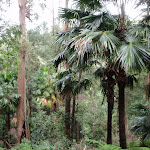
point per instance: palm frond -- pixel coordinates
(142, 2)
(133, 55)
(64, 79)
(59, 58)
(103, 22)
(89, 5)
(131, 79)
(99, 73)
(68, 14)
(101, 42)
(65, 37)
(77, 86)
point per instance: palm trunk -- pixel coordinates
(148, 87)
(68, 96)
(21, 110)
(121, 105)
(110, 99)
(73, 113)
(67, 114)
(109, 123)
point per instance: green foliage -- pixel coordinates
(27, 145)
(43, 125)
(142, 124)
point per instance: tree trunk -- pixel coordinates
(121, 105)
(68, 96)
(66, 22)
(8, 123)
(21, 110)
(53, 19)
(67, 114)
(73, 113)
(109, 123)
(148, 87)
(59, 17)
(110, 99)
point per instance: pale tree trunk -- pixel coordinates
(59, 17)
(53, 19)
(66, 22)
(21, 111)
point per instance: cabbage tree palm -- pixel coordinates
(127, 52)
(102, 21)
(112, 44)
(142, 30)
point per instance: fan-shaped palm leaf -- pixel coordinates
(133, 56)
(68, 14)
(89, 5)
(100, 41)
(102, 22)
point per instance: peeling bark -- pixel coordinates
(21, 110)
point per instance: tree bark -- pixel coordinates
(110, 100)
(8, 123)
(67, 114)
(148, 87)
(21, 110)
(73, 114)
(66, 22)
(53, 19)
(121, 105)
(68, 96)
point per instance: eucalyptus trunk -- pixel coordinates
(66, 22)
(21, 110)
(53, 19)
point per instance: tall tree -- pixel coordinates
(66, 22)
(68, 94)
(147, 23)
(21, 110)
(53, 12)
(122, 79)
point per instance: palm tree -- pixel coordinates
(104, 22)
(130, 55)
(111, 44)
(143, 29)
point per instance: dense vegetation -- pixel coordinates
(83, 86)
